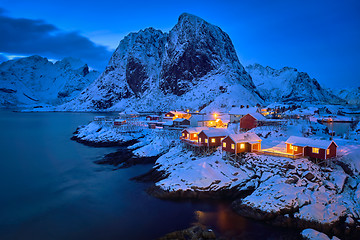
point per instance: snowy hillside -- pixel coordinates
(288, 84)
(351, 95)
(191, 67)
(36, 81)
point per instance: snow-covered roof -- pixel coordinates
(119, 120)
(215, 132)
(225, 118)
(258, 116)
(242, 111)
(200, 118)
(179, 120)
(245, 137)
(168, 123)
(153, 116)
(195, 129)
(178, 112)
(308, 142)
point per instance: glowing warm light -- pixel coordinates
(232, 146)
(206, 140)
(213, 140)
(328, 151)
(242, 146)
(215, 115)
(224, 144)
(315, 150)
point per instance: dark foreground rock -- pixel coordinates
(195, 232)
(103, 144)
(152, 176)
(124, 158)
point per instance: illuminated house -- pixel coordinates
(152, 118)
(244, 142)
(191, 133)
(307, 147)
(212, 137)
(172, 115)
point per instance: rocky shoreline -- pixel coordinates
(281, 193)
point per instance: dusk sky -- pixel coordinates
(321, 38)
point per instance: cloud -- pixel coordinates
(27, 37)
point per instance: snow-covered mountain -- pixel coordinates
(288, 85)
(193, 66)
(351, 95)
(35, 81)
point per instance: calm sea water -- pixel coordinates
(51, 189)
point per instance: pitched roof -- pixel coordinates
(153, 116)
(249, 137)
(195, 129)
(309, 142)
(257, 116)
(178, 112)
(242, 111)
(180, 120)
(199, 118)
(217, 132)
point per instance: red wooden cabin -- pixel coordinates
(251, 120)
(192, 133)
(152, 118)
(307, 147)
(212, 137)
(244, 142)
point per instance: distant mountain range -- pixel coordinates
(36, 81)
(289, 85)
(194, 66)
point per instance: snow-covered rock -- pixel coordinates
(37, 81)
(193, 66)
(351, 95)
(288, 85)
(311, 234)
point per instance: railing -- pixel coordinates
(279, 154)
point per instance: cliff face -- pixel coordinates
(193, 66)
(288, 84)
(36, 81)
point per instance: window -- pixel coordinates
(295, 148)
(199, 139)
(195, 134)
(213, 140)
(206, 140)
(183, 134)
(221, 139)
(232, 146)
(291, 147)
(315, 150)
(224, 144)
(242, 145)
(328, 151)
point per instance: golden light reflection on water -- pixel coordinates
(224, 219)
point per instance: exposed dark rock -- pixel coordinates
(152, 176)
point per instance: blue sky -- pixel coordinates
(318, 37)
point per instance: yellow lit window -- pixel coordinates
(328, 151)
(195, 135)
(206, 140)
(242, 145)
(291, 147)
(315, 150)
(199, 139)
(183, 134)
(232, 146)
(224, 144)
(295, 148)
(213, 140)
